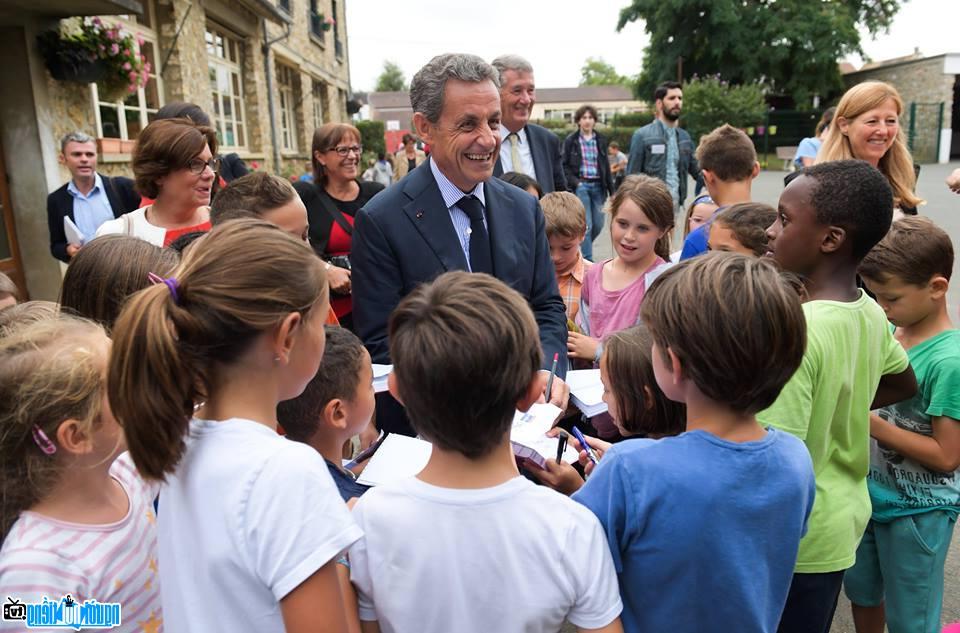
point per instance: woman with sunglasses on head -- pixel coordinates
(174, 164)
(332, 201)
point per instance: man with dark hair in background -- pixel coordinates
(661, 148)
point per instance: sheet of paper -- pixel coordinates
(529, 431)
(586, 391)
(74, 235)
(380, 373)
(398, 457)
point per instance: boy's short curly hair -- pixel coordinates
(854, 195)
(742, 351)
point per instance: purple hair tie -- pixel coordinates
(170, 283)
(48, 447)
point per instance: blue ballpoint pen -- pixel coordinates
(583, 442)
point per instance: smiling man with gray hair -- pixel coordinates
(526, 147)
(451, 214)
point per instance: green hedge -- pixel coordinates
(371, 136)
(621, 135)
(632, 119)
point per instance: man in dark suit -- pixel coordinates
(526, 147)
(89, 199)
(451, 214)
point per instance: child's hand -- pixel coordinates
(582, 346)
(599, 448)
(561, 477)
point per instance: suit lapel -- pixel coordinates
(544, 172)
(500, 222)
(497, 168)
(428, 213)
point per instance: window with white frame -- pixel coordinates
(286, 88)
(319, 94)
(125, 118)
(225, 70)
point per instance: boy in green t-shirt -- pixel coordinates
(914, 479)
(828, 219)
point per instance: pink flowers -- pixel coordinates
(114, 49)
(329, 20)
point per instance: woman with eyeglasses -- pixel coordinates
(332, 201)
(174, 164)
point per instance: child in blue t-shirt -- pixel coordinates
(914, 480)
(336, 405)
(704, 527)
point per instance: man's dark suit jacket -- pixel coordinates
(545, 150)
(122, 196)
(404, 236)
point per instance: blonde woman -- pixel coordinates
(867, 126)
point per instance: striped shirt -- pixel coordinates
(570, 284)
(116, 562)
(461, 221)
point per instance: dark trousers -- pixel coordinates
(811, 603)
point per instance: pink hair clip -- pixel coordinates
(48, 447)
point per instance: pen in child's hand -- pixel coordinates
(553, 372)
(561, 444)
(586, 447)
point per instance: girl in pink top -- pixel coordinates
(641, 220)
(76, 520)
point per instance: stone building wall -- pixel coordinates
(185, 76)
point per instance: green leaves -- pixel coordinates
(791, 46)
(391, 79)
(710, 102)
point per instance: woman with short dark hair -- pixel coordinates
(173, 164)
(408, 158)
(587, 169)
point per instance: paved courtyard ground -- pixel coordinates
(943, 207)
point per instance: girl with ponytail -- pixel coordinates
(250, 524)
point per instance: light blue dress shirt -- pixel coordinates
(90, 210)
(461, 221)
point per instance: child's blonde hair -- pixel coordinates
(654, 199)
(564, 214)
(628, 356)
(7, 287)
(50, 371)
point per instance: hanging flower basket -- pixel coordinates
(93, 52)
(326, 23)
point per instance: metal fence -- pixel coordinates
(921, 124)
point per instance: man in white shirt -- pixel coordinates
(526, 147)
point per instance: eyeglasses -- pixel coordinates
(197, 165)
(344, 150)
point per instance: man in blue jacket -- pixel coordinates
(662, 149)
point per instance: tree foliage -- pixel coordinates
(791, 46)
(596, 72)
(391, 79)
(710, 102)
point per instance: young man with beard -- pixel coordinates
(662, 149)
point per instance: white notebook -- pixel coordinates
(586, 391)
(74, 234)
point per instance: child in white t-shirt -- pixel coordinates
(76, 520)
(250, 523)
(468, 544)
